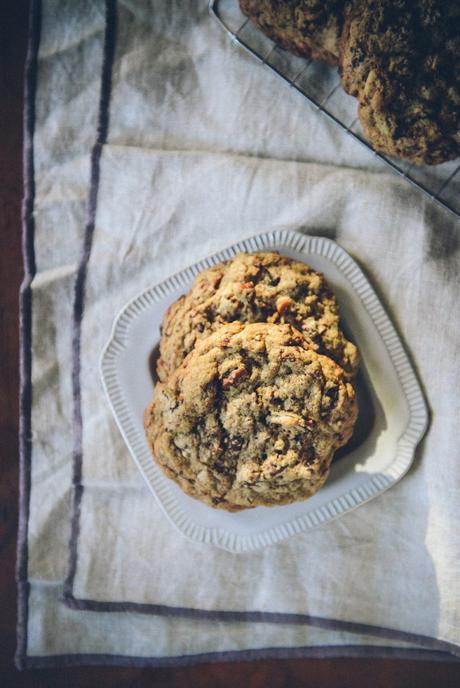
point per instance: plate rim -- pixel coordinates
(160, 485)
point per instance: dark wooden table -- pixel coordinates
(346, 673)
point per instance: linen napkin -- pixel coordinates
(198, 201)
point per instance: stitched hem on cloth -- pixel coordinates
(322, 652)
(25, 326)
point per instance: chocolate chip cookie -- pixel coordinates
(308, 28)
(256, 287)
(400, 58)
(251, 417)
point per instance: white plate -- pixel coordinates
(393, 414)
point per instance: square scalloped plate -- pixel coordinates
(393, 414)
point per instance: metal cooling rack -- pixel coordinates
(320, 85)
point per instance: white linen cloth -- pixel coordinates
(205, 148)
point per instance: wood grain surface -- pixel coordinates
(343, 673)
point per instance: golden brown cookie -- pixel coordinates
(400, 58)
(308, 28)
(256, 287)
(251, 417)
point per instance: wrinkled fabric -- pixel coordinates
(205, 147)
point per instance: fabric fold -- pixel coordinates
(354, 567)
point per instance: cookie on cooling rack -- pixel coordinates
(308, 28)
(400, 58)
(251, 417)
(256, 287)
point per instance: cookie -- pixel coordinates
(399, 58)
(256, 287)
(308, 28)
(251, 417)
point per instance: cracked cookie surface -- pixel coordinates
(256, 287)
(251, 417)
(308, 28)
(400, 58)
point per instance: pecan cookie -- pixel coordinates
(308, 28)
(400, 58)
(251, 417)
(256, 287)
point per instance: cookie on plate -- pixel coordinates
(256, 287)
(400, 58)
(251, 417)
(308, 28)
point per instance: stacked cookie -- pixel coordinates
(398, 57)
(256, 384)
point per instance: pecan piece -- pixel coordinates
(234, 376)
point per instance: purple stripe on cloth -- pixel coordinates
(25, 319)
(101, 138)
(266, 617)
(321, 652)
